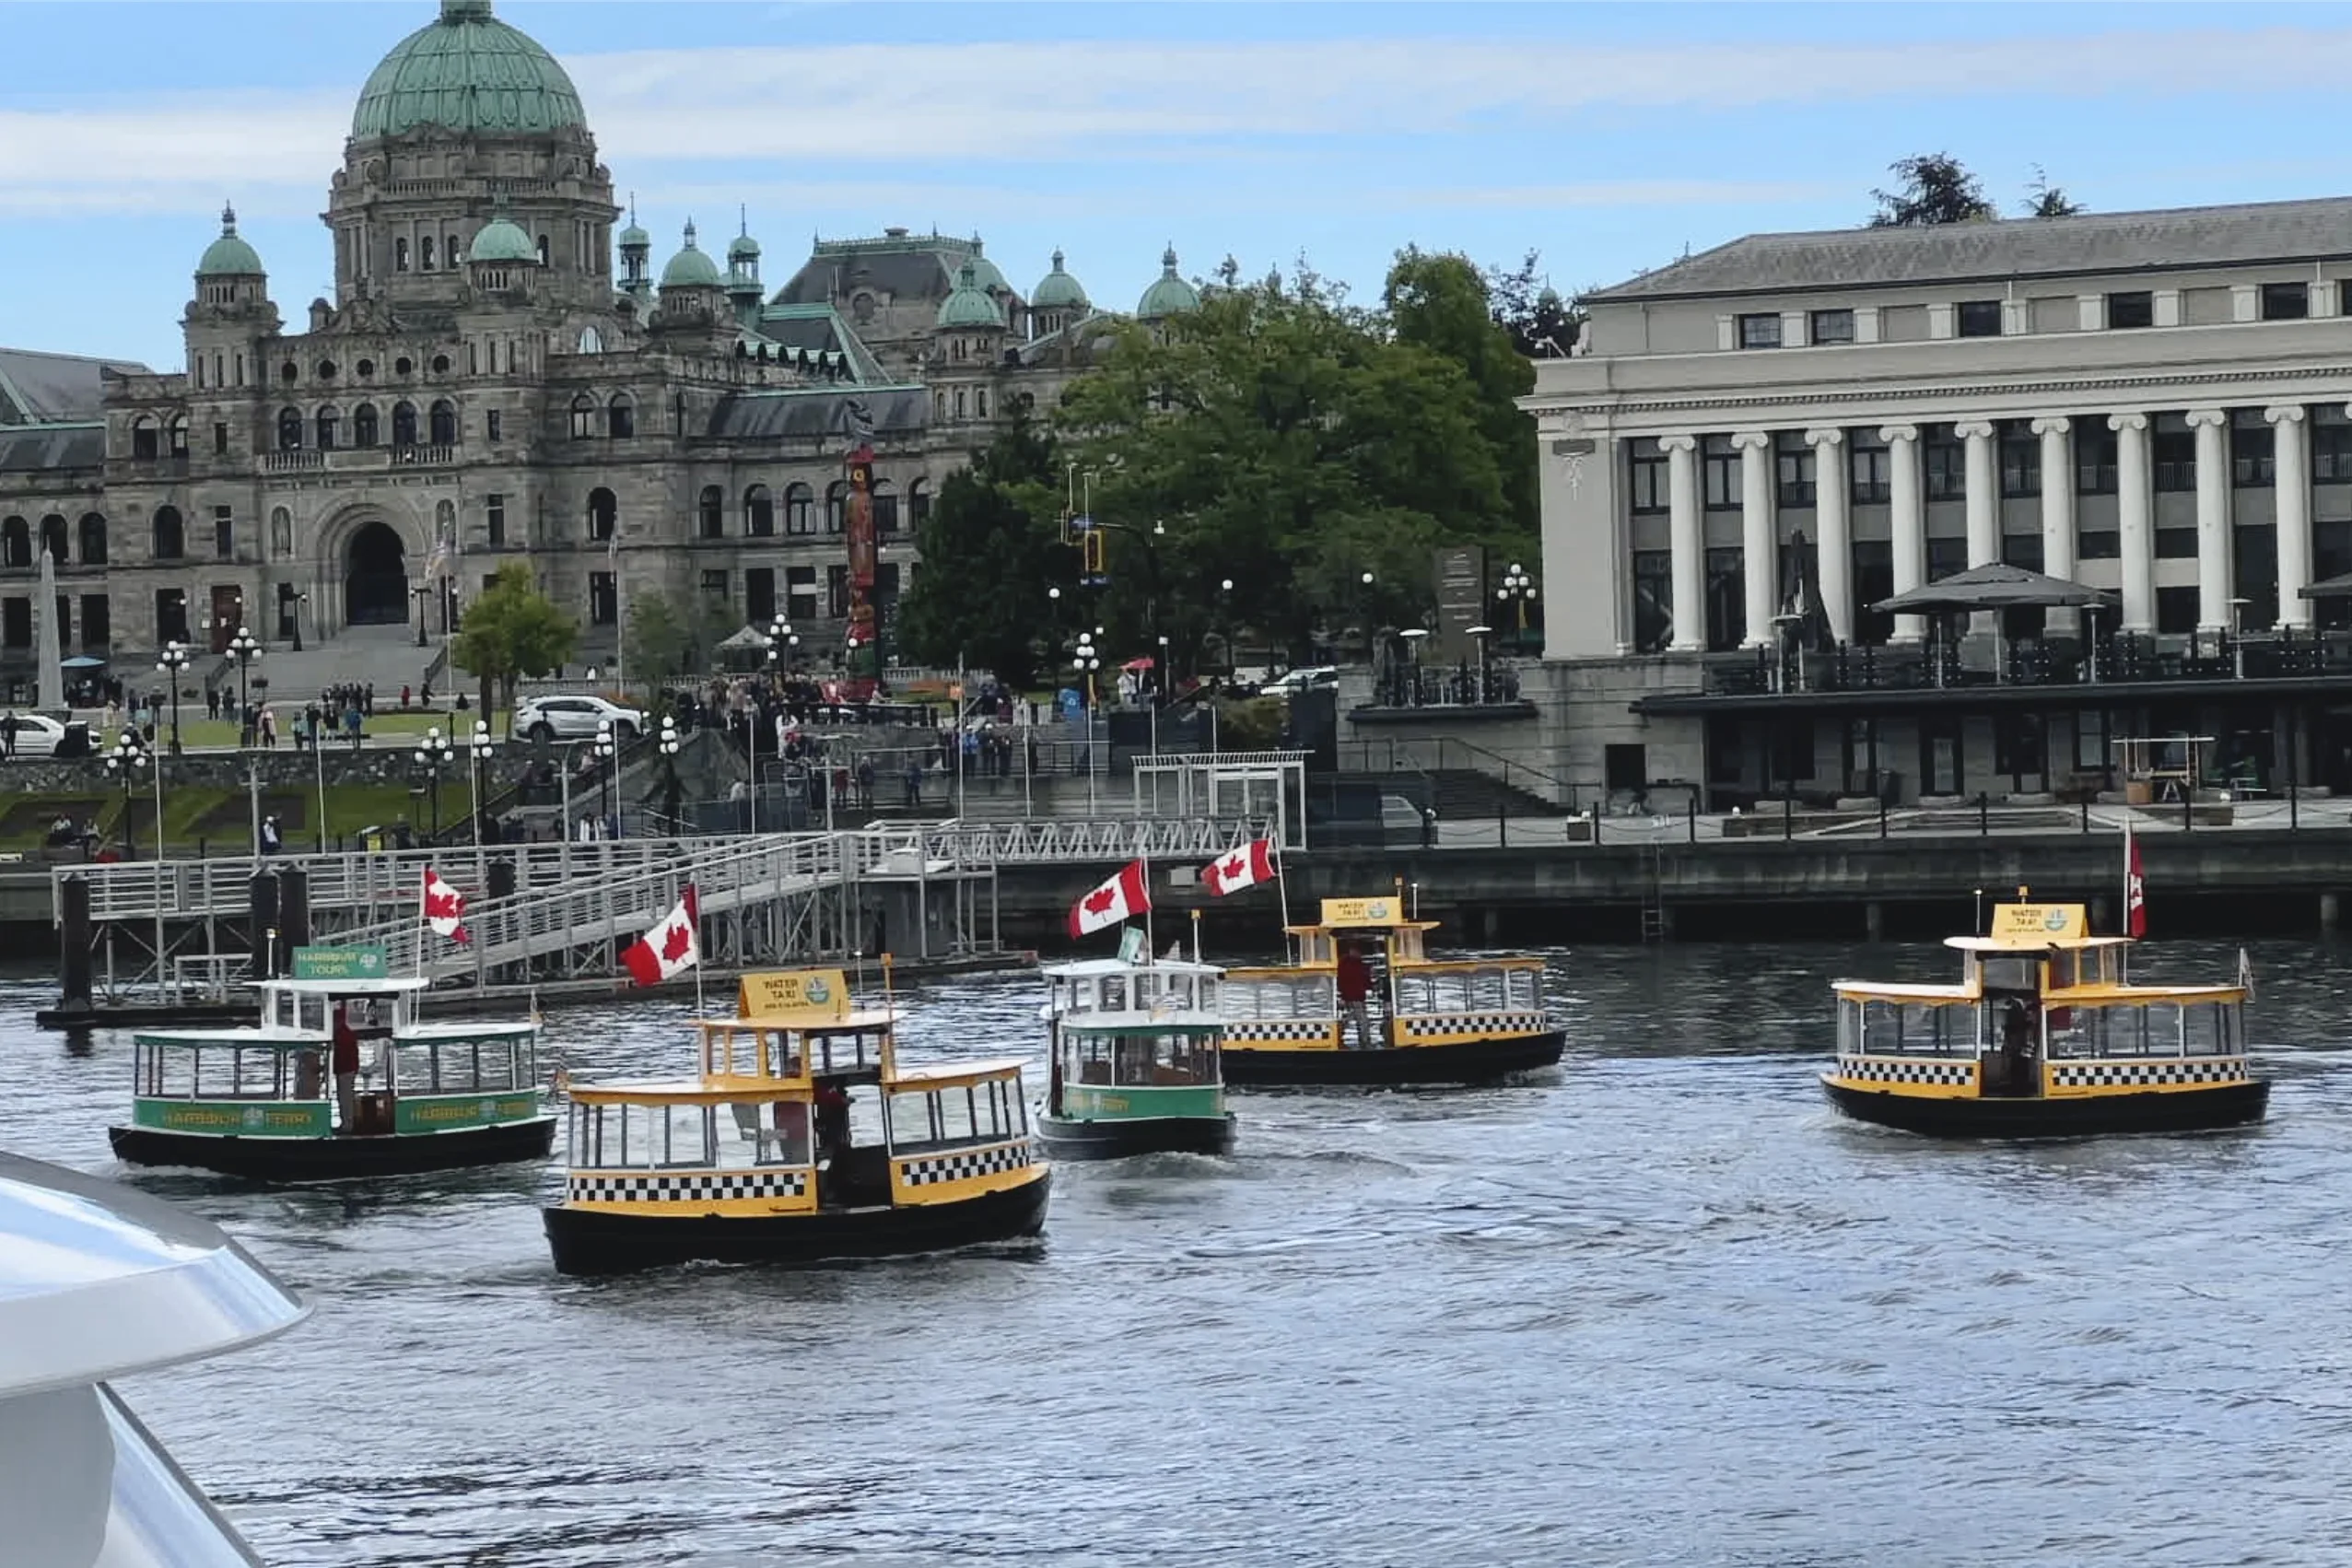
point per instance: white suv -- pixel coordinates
(575, 719)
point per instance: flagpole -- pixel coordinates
(698, 949)
(1283, 887)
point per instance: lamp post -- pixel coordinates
(1480, 633)
(432, 755)
(421, 592)
(1085, 660)
(1413, 635)
(1367, 619)
(479, 748)
(603, 759)
(1518, 590)
(244, 648)
(171, 664)
(670, 744)
(300, 599)
(126, 762)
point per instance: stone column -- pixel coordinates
(1833, 521)
(1910, 517)
(2058, 512)
(2294, 492)
(2135, 525)
(1984, 507)
(1760, 561)
(1689, 544)
(2212, 427)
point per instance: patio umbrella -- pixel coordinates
(81, 661)
(1995, 586)
(2331, 587)
(750, 637)
(1143, 663)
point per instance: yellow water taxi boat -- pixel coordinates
(2045, 1035)
(1364, 1002)
(800, 1140)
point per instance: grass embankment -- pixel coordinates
(202, 731)
(221, 820)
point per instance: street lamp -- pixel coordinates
(781, 635)
(244, 648)
(478, 749)
(126, 762)
(1413, 635)
(603, 749)
(1085, 660)
(171, 664)
(432, 755)
(1518, 590)
(670, 744)
(300, 599)
(1367, 619)
(421, 592)
(1481, 633)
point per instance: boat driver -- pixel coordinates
(1355, 986)
(346, 1067)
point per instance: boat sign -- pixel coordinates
(793, 990)
(1131, 946)
(340, 964)
(2034, 924)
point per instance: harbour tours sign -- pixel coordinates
(340, 964)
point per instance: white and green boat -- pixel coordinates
(262, 1100)
(1138, 1060)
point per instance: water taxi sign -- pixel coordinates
(2037, 925)
(1364, 912)
(793, 990)
(340, 964)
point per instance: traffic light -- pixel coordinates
(1091, 557)
(1070, 529)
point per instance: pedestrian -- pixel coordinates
(403, 696)
(913, 782)
(269, 727)
(865, 783)
(212, 703)
(273, 840)
(368, 702)
(8, 734)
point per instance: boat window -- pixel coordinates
(1315, 948)
(2206, 1031)
(493, 1065)
(1088, 1057)
(1915, 1028)
(1282, 996)
(845, 1052)
(648, 1138)
(1115, 993)
(2011, 972)
(416, 1070)
(929, 1118)
(252, 1075)
(783, 1054)
(772, 1133)
(1209, 988)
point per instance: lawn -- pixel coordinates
(198, 730)
(220, 820)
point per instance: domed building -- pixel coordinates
(501, 375)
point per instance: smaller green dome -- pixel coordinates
(967, 306)
(502, 240)
(691, 268)
(743, 248)
(1058, 290)
(1170, 294)
(230, 256)
(985, 272)
(636, 239)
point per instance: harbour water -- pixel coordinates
(1662, 1307)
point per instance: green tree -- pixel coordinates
(1444, 303)
(1933, 189)
(991, 550)
(512, 631)
(1284, 441)
(2044, 200)
(1542, 325)
(666, 638)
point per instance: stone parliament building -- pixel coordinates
(502, 376)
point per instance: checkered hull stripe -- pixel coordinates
(1439, 1025)
(686, 1189)
(965, 1163)
(1292, 1029)
(1895, 1069)
(2178, 1070)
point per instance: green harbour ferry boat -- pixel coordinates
(1136, 1060)
(265, 1101)
(2044, 1036)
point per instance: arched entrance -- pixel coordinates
(375, 579)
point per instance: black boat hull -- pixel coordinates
(592, 1241)
(336, 1159)
(1472, 1061)
(2176, 1110)
(1116, 1139)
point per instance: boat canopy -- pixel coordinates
(1098, 988)
(390, 985)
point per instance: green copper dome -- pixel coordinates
(691, 268)
(502, 240)
(1170, 295)
(230, 256)
(986, 273)
(1058, 290)
(467, 71)
(967, 306)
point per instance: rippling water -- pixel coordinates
(1659, 1307)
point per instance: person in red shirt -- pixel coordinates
(1355, 986)
(346, 1067)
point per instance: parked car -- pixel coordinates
(36, 734)
(575, 719)
(1299, 680)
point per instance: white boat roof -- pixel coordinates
(278, 1035)
(1084, 968)
(389, 986)
(1142, 1018)
(98, 1279)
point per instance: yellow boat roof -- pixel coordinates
(822, 1020)
(1387, 913)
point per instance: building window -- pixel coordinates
(1945, 458)
(2176, 459)
(2285, 301)
(493, 519)
(712, 513)
(326, 421)
(444, 423)
(1832, 326)
(425, 253)
(171, 614)
(2020, 462)
(759, 515)
(363, 426)
(919, 504)
(493, 426)
(1648, 477)
(2022, 550)
(836, 506)
(289, 430)
(1719, 465)
(2176, 611)
(800, 512)
(1874, 579)
(1727, 599)
(52, 537)
(224, 533)
(15, 623)
(1653, 600)
(145, 438)
(714, 591)
(1979, 318)
(281, 533)
(1759, 330)
(620, 418)
(800, 593)
(178, 432)
(220, 440)
(2137, 309)
(2330, 454)
(93, 538)
(98, 621)
(2099, 545)
(404, 424)
(2176, 544)
(837, 591)
(2253, 455)
(604, 514)
(885, 508)
(16, 544)
(169, 535)
(1793, 474)
(604, 603)
(584, 418)
(2094, 457)
(759, 594)
(1870, 466)
(400, 254)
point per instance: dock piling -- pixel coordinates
(73, 944)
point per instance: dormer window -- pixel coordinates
(1832, 326)
(2285, 301)
(1978, 317)
(1761, 331)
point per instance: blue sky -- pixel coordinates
(1606, 137)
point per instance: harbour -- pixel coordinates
(1664, 1304)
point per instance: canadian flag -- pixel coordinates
(1123, 897)
(671, 947)
(444, 907)
(2135, 889)
(1245, 865)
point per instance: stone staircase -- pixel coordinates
(386, 655)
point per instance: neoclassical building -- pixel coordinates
(503, 375)
(1754, 445)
